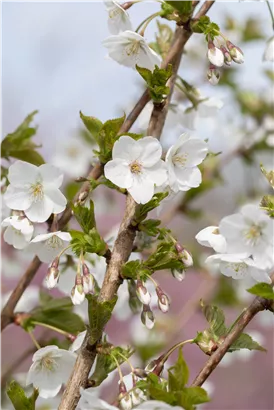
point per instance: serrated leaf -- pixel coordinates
(109, 133)
(156, 81)
(178, 374)
(131, 269)
(150, 227)
(18, 397)
(90, 242)
(191, 396)
(85, 216)
(99, 314)
(28, 155)
(216, 319)
(92, 124)
(264, 290)
(245, 341)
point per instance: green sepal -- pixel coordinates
(18, 397)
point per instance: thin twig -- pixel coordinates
(258, 305)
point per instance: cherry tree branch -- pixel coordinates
(259, 304)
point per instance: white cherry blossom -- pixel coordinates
(182, 160)
(215, 55)
(137, 166)
(18, 231)
(35, 190)
(211, 238)
(238, 266)
(129, 48)
(51, 368)
(78, 342)
(269, 50)
(251, 232)
(118, 18)
(48, 246)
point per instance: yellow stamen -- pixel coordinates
(135, 167)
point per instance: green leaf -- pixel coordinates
(157, 389)
(163, 39)
(245, 341)
(105, 364)
(28, 155)
(205, 26)
(184, 7)
(191, 396)
(92, 124)
(18, 397)
(165, 257)
(150, 227)
(109, 133)
(264, 290)
(156, 81)
(99, 314)
(269, 176)
(178, 374)
(267, 203)
(90, 242)
(85, 216)
(216, 319)
(131, 269)
(143, 210)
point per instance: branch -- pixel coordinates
(258, 305)
(122, 246)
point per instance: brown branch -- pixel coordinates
(258, 305)
(121, 251)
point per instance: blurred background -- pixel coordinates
(53, 61)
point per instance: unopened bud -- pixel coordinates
(142, 293)
(52, 277)
(213, 75)
(227, 56)
(88, 283)
(125, 398)
(147, 317)
(77, 292)
(179, 274)
(215, 55)
(163, 301)
(55, 262)
(235, 52)
(184, 255)
(141, 373)
(137, 397)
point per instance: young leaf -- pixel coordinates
(178, 374)
(264, 290)
(163, 39)
(85, 216)
(87, 243)
(191, 396)
(131, 269)
(216, 319)
(92, 124)
(183, 7)
(18, 397)
(156, 81)
(150, 227)
(109, 133)
(143, 210)
(245, 341)
(269, 176)
(99, 314)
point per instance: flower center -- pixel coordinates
(73, 152)
(37, 192)
(253, 234)
(133, 48)
(135, 167)
(54, 242)
(180, 160)
(48, 363)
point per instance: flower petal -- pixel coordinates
(118, 172)
(17, 198)
(40, 211)
(51, 175)
(151, 151)
(58, 199)
(142, 189)
(157, 173)
(195, 151)
(188, 177)
(126, 148)
(22, 173)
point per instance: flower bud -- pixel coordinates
(141, 373)
(88, 284)
(163, 301)
(125, 399)
(142, 293)
(55, 262)
(179, 274)
(147, 317)
(235, 52)
(77, 292)
(137, 397)
(52, 277)
(227, 56)
(186, 258)
(215, 55)
(213, 75)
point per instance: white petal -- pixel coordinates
(78, 341)
(126, 148)
(58, 199)
(157, 173)
(51, 175)
(142, 190)
(203, 237)
(216, 56)
(196, 151)
(151, 151)
(40, 211)
(118, 172)
(22, 173)
(17, 198)
(46, 394)
(189, 177)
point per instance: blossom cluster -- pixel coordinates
(244, 244)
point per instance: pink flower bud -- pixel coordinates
(227, 56)
(215, 55)
(235, 52)
(147, 317)
(142, 293)
(179, 274)
(52, 277)
(88, 283)
(213, 75)
(163, 301)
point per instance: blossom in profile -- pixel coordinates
(48, 246)
(18, 231)
(35, 190)
(118, 18)
(130, 49)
